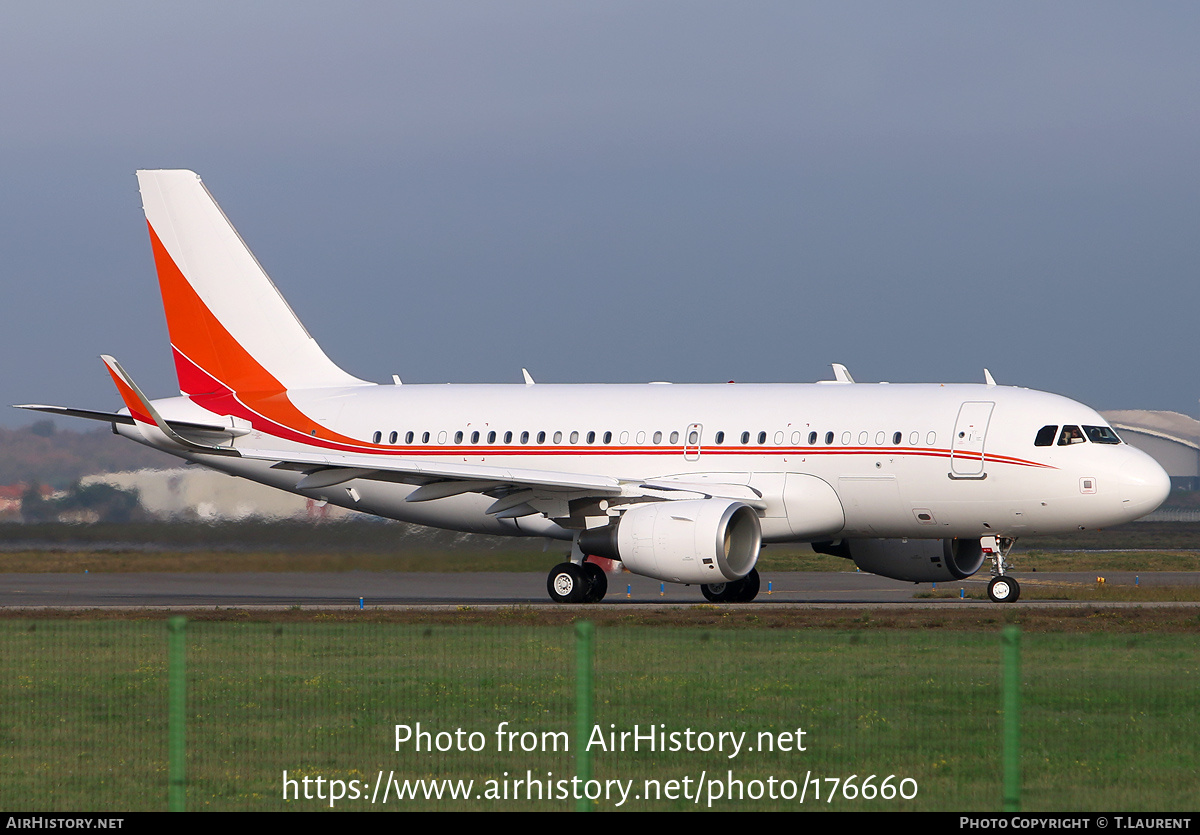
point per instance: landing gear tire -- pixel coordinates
(1004, 589)
(597, 583)
(736, 591)
(567, 583)
(750, 585)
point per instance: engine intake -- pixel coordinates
(695, 541)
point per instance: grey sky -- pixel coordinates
(622, 191)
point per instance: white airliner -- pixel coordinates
(682, 483)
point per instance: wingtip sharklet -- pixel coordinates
(145, 415)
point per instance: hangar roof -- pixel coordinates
(1172, 426)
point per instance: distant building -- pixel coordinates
(12, 497)
(1172, 439)
(198, 493)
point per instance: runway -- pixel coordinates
(344, 589)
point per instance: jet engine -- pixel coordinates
(708, 541)
(917, 560)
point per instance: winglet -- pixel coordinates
(146, 416)
(987, 377)
(841, 373)
(528, 378)
(137, 404)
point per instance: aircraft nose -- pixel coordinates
(1144, 485)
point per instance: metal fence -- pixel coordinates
(126, 716)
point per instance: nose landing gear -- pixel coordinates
(1002, 588)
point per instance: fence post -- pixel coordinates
(583, 708)
(1011, 639)
(176, 703)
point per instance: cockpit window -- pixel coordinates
(1045, 436)
(1071, 435)
(1101, 435)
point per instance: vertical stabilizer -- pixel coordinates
(230, 328)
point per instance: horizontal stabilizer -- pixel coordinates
(88, 414)
(124, 420)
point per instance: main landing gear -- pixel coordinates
(586, 582)
(1002, 588)
(572, 583)
(735, 591)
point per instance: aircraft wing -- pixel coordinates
(336, 467)
(518, 492)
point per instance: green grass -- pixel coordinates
(1101, 561)
(1107, 717)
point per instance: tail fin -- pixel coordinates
(230, 328)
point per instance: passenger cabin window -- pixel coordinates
(458, 437)
(812, 438)
(1045, 435)
(1071, 435)
(762, 438)
(675, 437)
(508, 437)
(375, 438)
(720, 438)
(745, 437)
(1101, 435)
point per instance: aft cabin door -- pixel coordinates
(966, 447)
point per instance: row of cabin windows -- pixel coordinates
(864, 438)
(1071, 434)
(524, 437)
(492, 437)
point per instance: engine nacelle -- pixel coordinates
(917, 560)
(697, 541)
